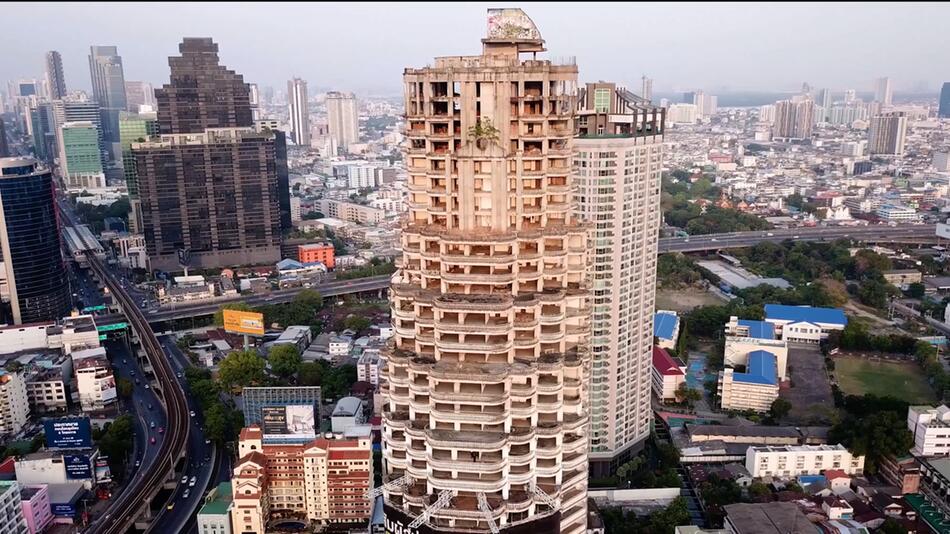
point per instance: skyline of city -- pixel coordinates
(769, 37)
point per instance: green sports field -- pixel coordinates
(905, 381)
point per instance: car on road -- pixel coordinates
(148, 386)
(179, 375)
(714, 239)
(207, 442)
(191, 413)
(151, 440)
(186, 494)
(138, 463)
(770, 234)
(161, 430)
(171, 506)
(192, 481)
(137, 381)
(149, 406)
(184, 479)
(151, 424)
(796, 236)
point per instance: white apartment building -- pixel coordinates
(683, 114)
(299, 111)
(14, 403)
(361, 176)
(897, 213)
(668, 375)
(295, 215)
(931, 429)
(340, 346)
(484, 391)
(349, 211)
(72, 333)
(796, 460)
(887, 133)
(12, 520)
(804, 324)
(367, 367)
(743, 337)
(343, 116)
(618, 158)
(46, 389)
(94, 379)
(214, 517)
(738, 392)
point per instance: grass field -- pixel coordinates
(905, 381)
(684, 300)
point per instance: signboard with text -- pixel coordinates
(77, 466)
(294, 421)
(68, 433)
(242, 322)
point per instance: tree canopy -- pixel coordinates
(284, 360)
(242, 368)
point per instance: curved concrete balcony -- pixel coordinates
(549, 471)
(551, 337)
(472, 327)
(549, 388)
(528, 276)
(524, 342)
(528, 255)
(558, 188)
(487, 418)
(451, 396)
(532, 210)
(554, 252)
(473, 346)
(573, 461)
(574, 423)
(419, 387)
(425, 320)
(554, 270)
(462, 278)
(520, 478)
(552, 406)
(521, 435)
(522, 411)
(522, 391)
(526, 322)
(466, 464)
(532, 193)
(449, 439)
(420, 473)
(466, 483)
(419, 406)
(547, 453)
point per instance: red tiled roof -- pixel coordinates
(831, 474)
(664, 363)
(349, 455)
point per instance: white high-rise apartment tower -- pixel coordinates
(646, 89)
(882, 90)
(299, 111)
(618, 158)
(485, 414)
(343, 117)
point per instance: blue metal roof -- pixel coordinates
(664, 324)
(759, 329)
(805, 314)
(762, 369)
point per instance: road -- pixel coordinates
(878, 233)
(171, 445)
(202, 458)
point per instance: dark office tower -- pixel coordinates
(4, 148)
(29, 233)
(44, 131)
(209, 183)
(54, 75)
(108, 89)
(283, 179)
(944, 110)
(202, 93)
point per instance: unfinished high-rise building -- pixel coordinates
(485, 405)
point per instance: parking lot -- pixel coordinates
(810, 389)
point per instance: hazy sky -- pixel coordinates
(364, 47)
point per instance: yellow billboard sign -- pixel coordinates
(242, 322)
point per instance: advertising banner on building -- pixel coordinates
(68, 433)
(64, 509)
(242, 322)
(103, 473)
(77, 466)
(294, 421)
(109, 391)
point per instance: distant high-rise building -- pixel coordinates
(343, 118)
(824, 102)
(619, 133)
(4, 147)
(706, 105)
(793, 118)
(485, 406)
(202, 93)
(108, 89)
(886, 134)
(55, 80)
(299, 111)
(82, 161)
(767, 113)
(267, 95)
(139, 95)
(70, 110)
(209, 184)
(882, 91)
(943, 111)
(682, 114)
(43, 131)
(134, 128)
(646, 88)
(806, 88)
(254, 96)
(850, 95)
(30, 238)
(688, 97)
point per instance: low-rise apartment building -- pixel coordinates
(797, 460)
(316, 252)
(930, 427)
(214, 517)
(667, 376)
(743, 337)
(34, 499)
(755, 389)
(349, 211)
(324, 480)
(14, 406)
(95, 382)
(804, 324)
(11, 511)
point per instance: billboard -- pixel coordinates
(64, 509)
(294, 421)
(397, 522)
(242, 322)
(103, 473)
(68, 433)
(108, 389)
(77, 466)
